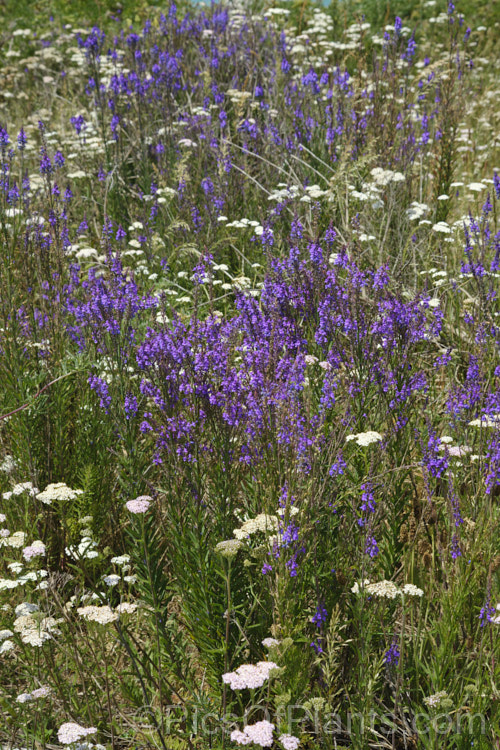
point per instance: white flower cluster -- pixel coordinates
(33, 628)
(7, 583)
(5, 643)
(71, 732)
(384, 177)
(126, 608)
(15, 540)
(121, 560)
(111, 580)
(23, 698)
(411, 590)
(80, 599)
(8, 464)
(386, 589)
(270, 642)
(103, 615)
(365, 438)
(486, 420)
(6, 646)
(140, 504)
(18, 489)
(434, 701)
(42, 692)
(57, 491)
(289, 742)
(260, 733)
(383, 589)
(36, 548)
(229, 548)
(442, 227)
(416, 210)
(86, 550)
(262, 522)
(32, 575)
(249, 675)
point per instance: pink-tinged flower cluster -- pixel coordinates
(71, 732)
(249, 675)
(140, 504)
(289, 742)
(260, 733)
(34, 550)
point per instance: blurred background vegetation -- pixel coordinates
(106, 12)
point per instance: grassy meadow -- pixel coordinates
(249, 375)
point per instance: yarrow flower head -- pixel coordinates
(228, 548)
(289, 742)
(86, 550)
(270, 642)
(103, 615)
(24, 698)
(19, 489)
(71, 732)
(15, 540)
(112, 579)
(365, 438)
(139, 505)
(436, 700)
(57, 491)
(126, 608)
(249, 676)
(262, 522)
(260, 733)
(121, 560)
(411, 590)
(41, 692)
(37, 548)
(33, 628)
(383, 589)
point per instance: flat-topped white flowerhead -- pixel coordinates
(365, 438)
(36, 548)
(289, 742)
(411, 590)
(58, 491)
(112, 579)
(71, 732)
(270, 642)
(383, 589)
(228, 548)
(486, 420)
(103, 615)
(262, 522)
(260, 733)
(140, 504)
(249, 676)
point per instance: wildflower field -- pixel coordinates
(249, 375)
